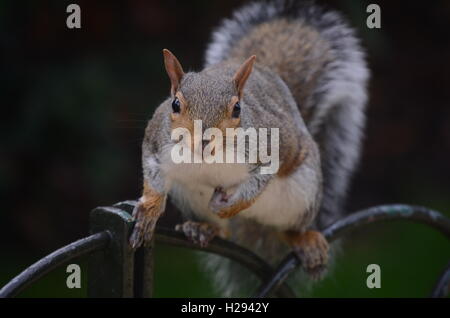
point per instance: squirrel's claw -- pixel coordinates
(198, 232)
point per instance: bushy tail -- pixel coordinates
(319, 57)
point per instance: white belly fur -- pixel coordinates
(281, 205)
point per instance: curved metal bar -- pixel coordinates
(442, 286)
(389, 212)
(227, 249)
(218, 246)
(356, 220)
(276, 283)
(39, 269)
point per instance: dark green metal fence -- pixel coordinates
(115, 270)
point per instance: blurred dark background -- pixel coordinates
(75, 104)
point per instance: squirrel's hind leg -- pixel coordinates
(312, 249)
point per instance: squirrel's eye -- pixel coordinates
(236, 110)
(176, 105)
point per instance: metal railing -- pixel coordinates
(115, 270)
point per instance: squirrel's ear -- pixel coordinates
(173, 69)
(242, 74)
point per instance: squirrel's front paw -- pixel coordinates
(143, 228)
(198, 232)
(312, 249)
(225, 205)
(219, 200)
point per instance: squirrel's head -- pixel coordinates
(213, 96)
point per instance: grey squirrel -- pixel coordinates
(284, 64)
